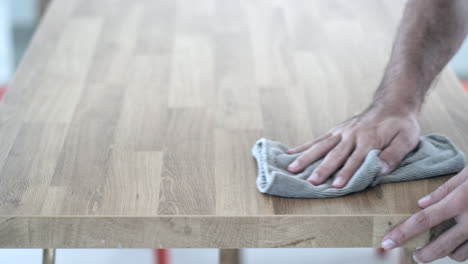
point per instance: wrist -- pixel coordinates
(395, 106)
(389, 107)
(398, 97)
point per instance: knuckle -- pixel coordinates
(464, 173)
(333, 152)
(380, 142)
(464, 187)
(353, 130)
(324, 170)
(336, 130)
(351, 133)
(352, 159)
(356, 159)
(460, 204)
(458, 200)
(390, 157)
(398, 236)
(443, 190)
(336, 154)
(406, 140)
(339, 148)
(375, 138)
(436, 252)
(367, 136)
(459, 256)
(422, 219)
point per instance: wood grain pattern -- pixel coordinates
(185, 231)
(130, 123)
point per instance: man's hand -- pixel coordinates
(346, 146)
(448, 201)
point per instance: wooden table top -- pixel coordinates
(130, 123)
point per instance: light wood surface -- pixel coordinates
(130, 123)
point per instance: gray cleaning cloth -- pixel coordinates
(434, 156)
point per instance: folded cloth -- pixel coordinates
(434, 156)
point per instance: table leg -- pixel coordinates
(48, 256)
(408, 252)
(43, 4)
(229, 256)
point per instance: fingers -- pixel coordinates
(351, 166)
(443, 246)
(444, 189)
(308, 144)
(399, 147)
(314, 153)
(423, 221)
(461, 253)
(332, 162)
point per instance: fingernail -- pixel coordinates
(313, 177)
(293, 165)
(385, 169)
(415, 258)
(337, 182)
(388, 244)
(425, 199)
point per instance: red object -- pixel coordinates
(162, 256)
(3, 88)
(465, 84)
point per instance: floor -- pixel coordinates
(206, 256)
(189, 256)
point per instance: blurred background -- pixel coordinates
(206, 256)
(18, 20)
(195, 256)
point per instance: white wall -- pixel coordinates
(460, 62)
(205, 256)
(104, 256)
(25, 11)
(6, 42)
(318, 255)
(20, 256)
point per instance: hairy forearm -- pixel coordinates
(430, 33)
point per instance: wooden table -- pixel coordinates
(130, 123)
